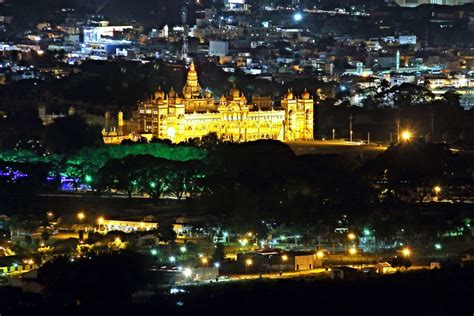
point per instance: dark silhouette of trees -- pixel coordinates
(71, 133)
(103, 279)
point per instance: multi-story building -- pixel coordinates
(195, 113)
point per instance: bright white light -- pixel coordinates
(182, 248)
(297, 17)
(172, 259)
(217, 264)
(187, 272)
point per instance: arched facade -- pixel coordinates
(195, 113)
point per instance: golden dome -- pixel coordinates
(159, 94)
(289, 95)
(305, 95)
(172, 93)
(223, 99)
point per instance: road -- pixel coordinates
(333, 147)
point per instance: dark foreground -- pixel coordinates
(443, 292)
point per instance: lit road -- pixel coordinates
(333, 147)
(287, 274)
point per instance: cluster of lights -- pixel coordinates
(13, 174)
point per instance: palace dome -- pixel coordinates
(172, 93)
(305, 95)
(159, 94)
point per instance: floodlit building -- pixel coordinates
(195, 113)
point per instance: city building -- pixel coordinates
(415, 3)
(195, 113)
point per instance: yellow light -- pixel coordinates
(406, 135)
(437, 189)
(118, 240)
(320, 254)
(249, 234)
(351, 236)
(204, 260)
(100, 220)
(406, 252)
(249, 262)
(352, 251)
(50, 214)
(284, 258)
(81, 215)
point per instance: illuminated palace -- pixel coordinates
(195, 113)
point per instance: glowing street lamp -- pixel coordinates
(406, 135)
(352, 251)
(204, 261)
(248, 262)
(406, 252)
(351, 236)
(320, 254)
(187, 272)
(284, 258)
(297, 17)
(437, 189)
(81, 216)
(172, 259)
(182, 249)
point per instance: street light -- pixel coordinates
(320, 254)
(284, 258)
(437, 189)
(81, 216)
(187, 272)
(351, 236)
(406, 252)
(204, 261)
(406, 135)
(297, 17)
(353, 251)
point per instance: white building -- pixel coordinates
(218, 48)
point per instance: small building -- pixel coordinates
(383, 267)
(344, 273)
(435, 265)
(307, 261)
